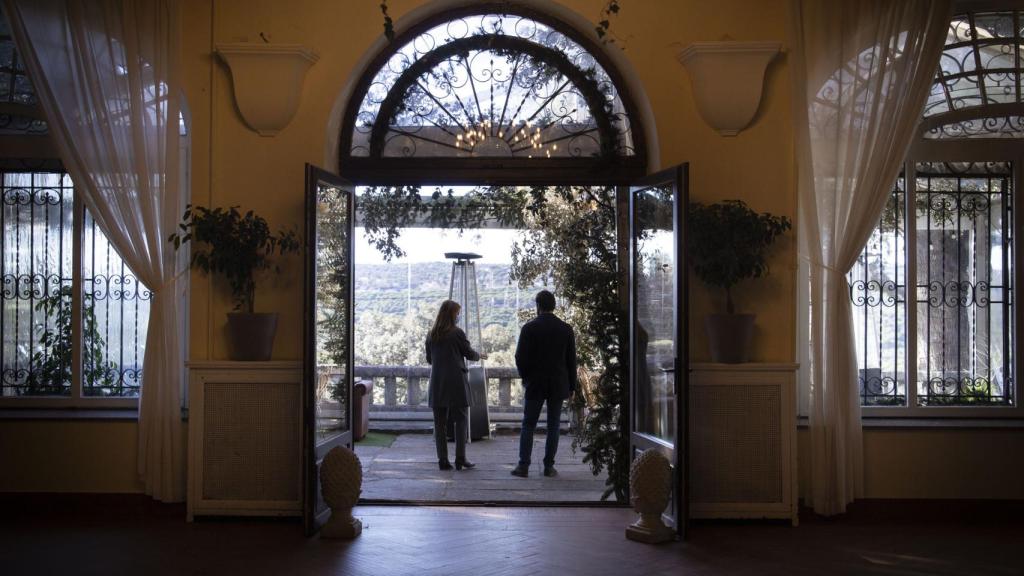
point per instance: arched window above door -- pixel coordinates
(977, 92)
(487, 88)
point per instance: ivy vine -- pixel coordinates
(604, 23)
(389, 25)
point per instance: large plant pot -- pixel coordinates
(729, 336)
(251, 336)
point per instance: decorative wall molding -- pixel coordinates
(267, 80)
(727, 79)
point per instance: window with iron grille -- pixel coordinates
(74, 315)
(951, 235)
(933, 288)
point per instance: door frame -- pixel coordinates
(315, 511)
(678, 451)
(460, 175)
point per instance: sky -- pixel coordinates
(430, 244)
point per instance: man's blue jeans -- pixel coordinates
(531, 413)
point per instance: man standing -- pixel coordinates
(546, 359)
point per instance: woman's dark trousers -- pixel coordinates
(461, 414)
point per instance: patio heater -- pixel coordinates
(462, 289)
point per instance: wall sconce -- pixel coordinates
(727, 79)
(267, 80)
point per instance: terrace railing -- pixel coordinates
(404, 388)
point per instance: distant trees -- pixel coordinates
(389, 339)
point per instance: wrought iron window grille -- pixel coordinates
(74, 315)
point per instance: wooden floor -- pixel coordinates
(131, 535)
(407, 471)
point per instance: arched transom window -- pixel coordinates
(484, 84)
(977, 89)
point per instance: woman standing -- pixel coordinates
(447, 351)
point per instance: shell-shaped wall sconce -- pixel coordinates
(268, 80)
(727, 79)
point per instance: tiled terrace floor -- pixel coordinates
(407, 471)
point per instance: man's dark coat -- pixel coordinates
(546, 358)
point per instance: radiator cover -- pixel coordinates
(742, 441)
(245, 438)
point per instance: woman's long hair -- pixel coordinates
(445, 321)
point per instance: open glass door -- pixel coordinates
(658, 339)
(327, 354)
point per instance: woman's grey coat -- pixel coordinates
(449, 385)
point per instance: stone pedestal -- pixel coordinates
(649, 529)
(338, 526)
(650, 481)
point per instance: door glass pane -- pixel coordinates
(963, 214)
(333, 307)
(35, 321)
(115, 318)
(655, 288)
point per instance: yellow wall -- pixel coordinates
(961, 463)
(99, 456)
(65, 456)
(234, 165)
(231, 164)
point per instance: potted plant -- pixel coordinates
(728, 243)
(237, 246)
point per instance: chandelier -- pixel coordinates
(483, 138)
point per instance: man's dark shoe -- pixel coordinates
(521, 471)
(550, 471)
(464, 464)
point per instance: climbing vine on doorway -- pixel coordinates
(569, 239)
(389, 25)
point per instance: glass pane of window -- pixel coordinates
(655, 284)
(24, 116)
(980, 66)
(963, 214)
(878, 292)
(115, 317)
(36, 318)
(333, 307)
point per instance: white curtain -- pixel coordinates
(862, 70)
(107, 75)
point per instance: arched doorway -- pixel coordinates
(502, 95)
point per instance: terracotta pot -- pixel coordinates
(251, 336)
(729, 337)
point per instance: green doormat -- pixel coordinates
(377, 439)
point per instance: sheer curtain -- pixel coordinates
(107, 75)
(861, 71)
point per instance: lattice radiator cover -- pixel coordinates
(251, 441)
(736, 444)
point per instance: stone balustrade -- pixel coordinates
(404, 388)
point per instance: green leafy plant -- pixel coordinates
(389, 25)
(729, 242)
(234, 245)
(604, 24)
(51, 360)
